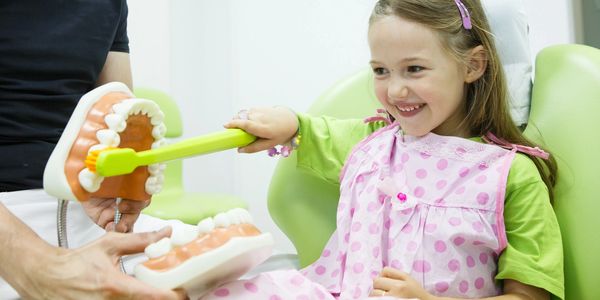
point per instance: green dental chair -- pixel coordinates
(565, 118)
(174, 202)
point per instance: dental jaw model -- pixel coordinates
(107, 117)
(110, 117)
(218, 250)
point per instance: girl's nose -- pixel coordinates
(397, 90)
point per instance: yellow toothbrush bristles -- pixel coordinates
(90, 160)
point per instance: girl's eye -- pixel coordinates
(415, 69)
(379, 71)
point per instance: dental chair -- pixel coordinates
(564, 119)
(174, 202)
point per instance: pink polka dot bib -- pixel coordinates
(430, 206)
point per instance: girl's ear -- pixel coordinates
(476, 64)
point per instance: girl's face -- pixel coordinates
(416, 80)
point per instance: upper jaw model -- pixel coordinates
(108, 116)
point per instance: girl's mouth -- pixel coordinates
(410, 110)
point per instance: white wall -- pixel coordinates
(217, 56)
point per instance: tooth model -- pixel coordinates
(218, 250)
(108, 116)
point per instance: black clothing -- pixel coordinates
(51, 53)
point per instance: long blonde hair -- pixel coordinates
(486, 98)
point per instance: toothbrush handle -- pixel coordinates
(227, 139)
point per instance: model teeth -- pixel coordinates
(96, 148)
(206, 225)
(116, 123)
(154, 169)
(89, 180)
(159, 248)
(157, 118)
(186, 234)
(159, 131)
(183, 235)
(108, 137)
(159, 143)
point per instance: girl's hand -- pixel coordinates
(395, 283)
(271, 125)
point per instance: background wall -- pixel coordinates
(218, 56)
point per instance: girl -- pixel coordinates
(435, 201)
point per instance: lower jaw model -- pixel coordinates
(197, 259)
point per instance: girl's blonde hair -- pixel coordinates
(486, 98)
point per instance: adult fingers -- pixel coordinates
(131, 243)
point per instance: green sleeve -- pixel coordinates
(534, 253)
(326, 142)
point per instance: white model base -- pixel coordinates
(200, 274)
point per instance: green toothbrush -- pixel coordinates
(120, 161)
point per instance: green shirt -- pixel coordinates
(533, 254)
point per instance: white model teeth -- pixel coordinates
(183, 235)
(155, 169)
(158, 132)
(409, 108)
(116, 123)
(159, 248)
(186, 234)
(222, 220)
(108, 137)
(97, 147)
(154, 184)
(89, 181)
(159, 143)
(206, 225)
(157, 118)
(232, 217)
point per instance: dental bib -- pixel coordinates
(197, 259)
(108, 116)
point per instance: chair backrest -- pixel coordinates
(565, 119)
(173, 173)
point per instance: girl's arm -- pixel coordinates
(325, 142)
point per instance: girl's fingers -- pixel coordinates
(377, 293)
(258, 145)
(385, 284)
(394, 273)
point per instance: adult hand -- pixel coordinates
(91, 272)
(395, 283)
(271, 125)
(102, 212)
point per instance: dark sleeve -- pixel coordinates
(121, 41)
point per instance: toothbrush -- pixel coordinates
(120, 161)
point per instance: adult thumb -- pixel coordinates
(133, 243)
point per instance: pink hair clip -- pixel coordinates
(464, 14)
